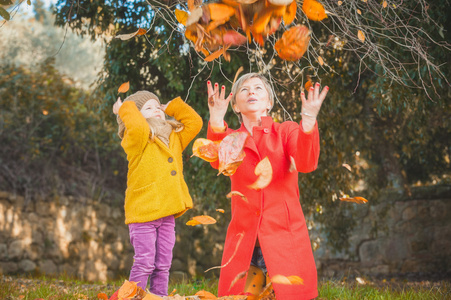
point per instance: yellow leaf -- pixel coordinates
(361, 35)
(264, 172)
(359, 11)
(124, 87)
(181, 16)
(204, 220)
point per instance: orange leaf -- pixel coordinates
(128, 36)
(192, 223)
(384, 4)
(291, 280)
(231, 153)
(238, 277)
(290, 13)
(124, 87)
(314, 10)
(204, 220)
(181, 16)
(347, 167)
(214, 55)
(320, 60)
(220, 210)
(264, 172)
(102, 296)
(205, 295)
(151, 296)
(236, 193)
(293, 43)
(261, 20)
(220, 11)
(206, 149)
(128, 289)
(361, 35)
(358, 200)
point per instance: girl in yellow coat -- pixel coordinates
(156, 190)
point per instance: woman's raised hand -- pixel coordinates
(117, 105)
(217, 104)
(311, 105)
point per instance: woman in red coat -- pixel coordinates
(269, 229)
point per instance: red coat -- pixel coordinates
(273, 214)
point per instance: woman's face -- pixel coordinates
(252, 98)
(152, 109)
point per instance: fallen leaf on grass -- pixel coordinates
(102, 296)
(205, 295)
(264, 172)
(128, 289)
(358, 200)
(290, 280)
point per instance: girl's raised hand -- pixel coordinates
(117, 105)
(164, 106)
(217, 104)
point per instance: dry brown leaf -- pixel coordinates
(264, 172)
(241, 236)
(124, 87)
(128, 36)
(231, 153)
(238, 277)
(314, 10)
(347, 167)
(205, 295)
(361, 35)
(236, 193)
(194, 16)
(358, 200)
(206, 149)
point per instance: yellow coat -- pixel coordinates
(155, 184)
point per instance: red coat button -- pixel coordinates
(266, 130)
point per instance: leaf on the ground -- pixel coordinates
(173, 292)
(205, 295)
(102, 296)
(204, 220)
(128, 36)
(358, 200)
(236, 193)
(151, 296)
(206, 149)
(239, 276)
(127, 290)
(314, 10)
(293, 43)
(124, 87)
(290, 280)
(231, 153)
(264, 172)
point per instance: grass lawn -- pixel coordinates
(12, 288)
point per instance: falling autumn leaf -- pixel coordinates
(361, 35)
(219, 11)
(358, 200)
(359, 11)
(292, 161)
(241, 236)
(290, 280)
(204, 220)
(236, 193)
(125, 37)
(181, 16)
(231, 153)
(320, 60)
(384, 4)
(314, 10)
(124, 87)
(240, 275)
(45, 112)
(347, 167)
(293, 43)
(264, 172)
(205, 295)
(220, 210)
(240, 69)
(290, 13)
(206, 149)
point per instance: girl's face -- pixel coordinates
(252, 97)
(152, 109)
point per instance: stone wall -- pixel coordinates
(89, 240)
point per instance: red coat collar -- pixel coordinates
(266, 123)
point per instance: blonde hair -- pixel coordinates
(239, 83)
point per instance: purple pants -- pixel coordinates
(153, 243)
